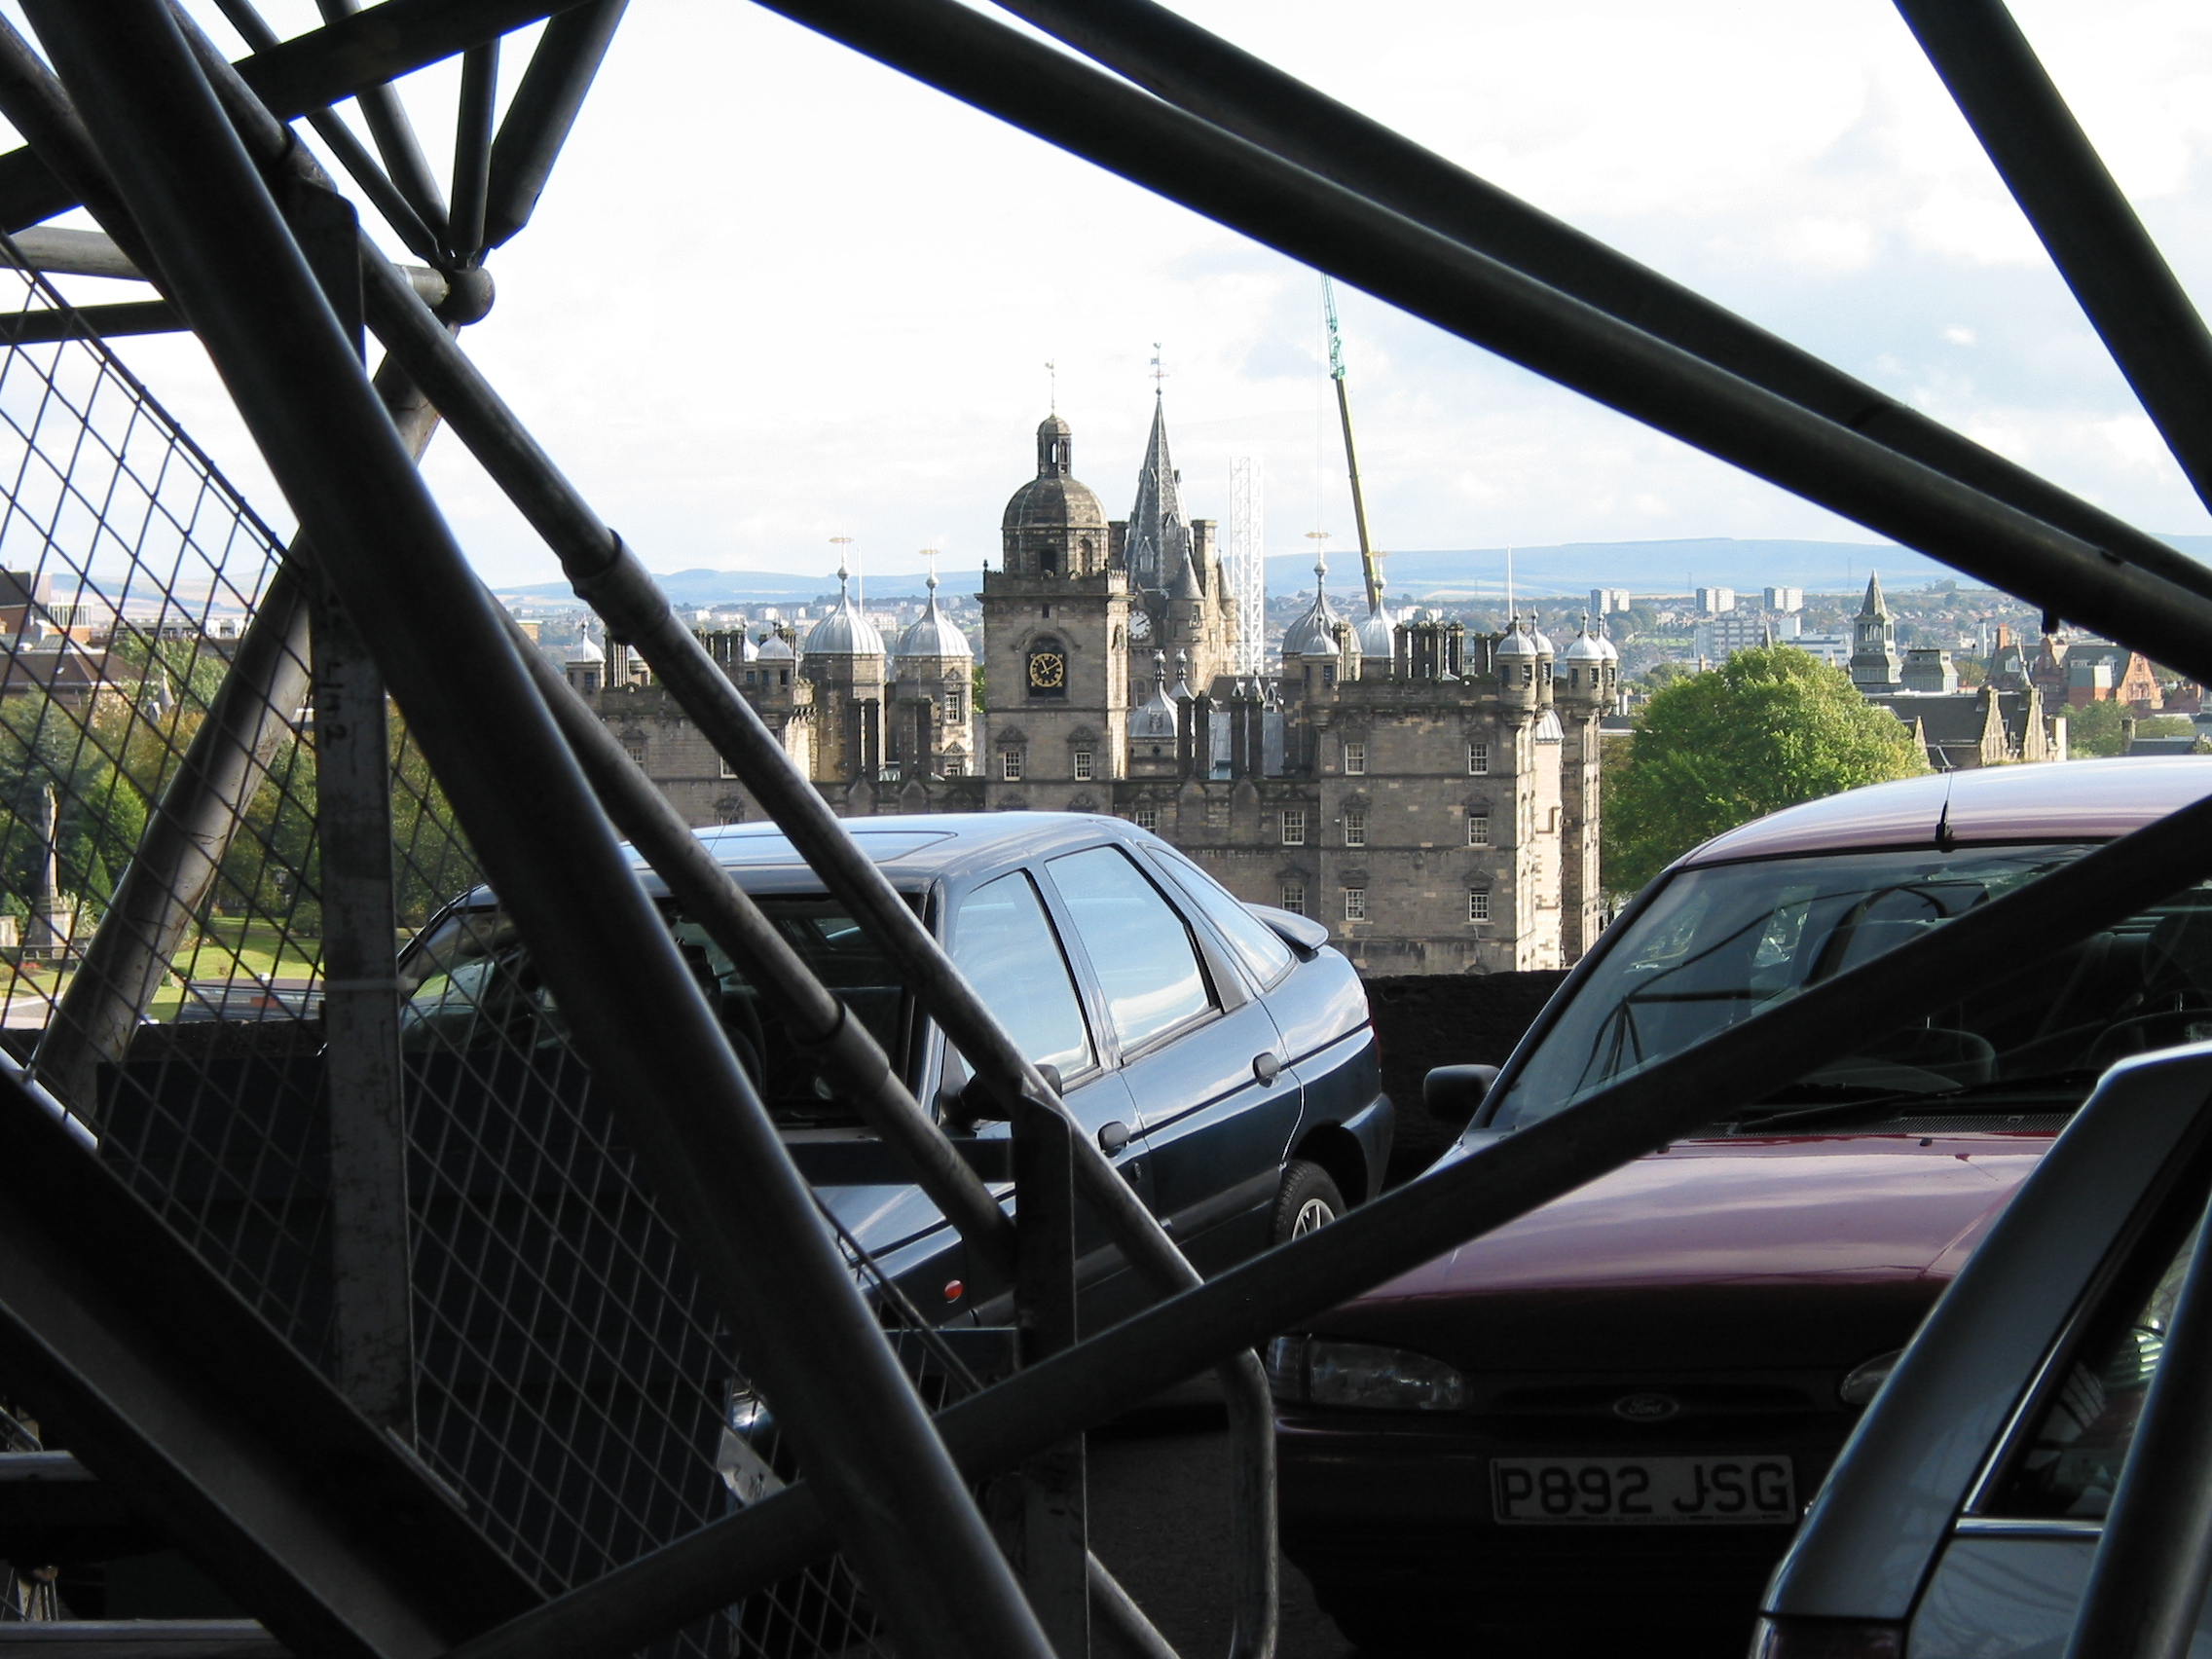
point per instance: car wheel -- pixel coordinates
(1307, 1200)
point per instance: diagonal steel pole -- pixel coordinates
(701, 1133)
(408, 169)
(544, 108)
(1176, 59)
(1393, 1234)
(2093, 236)
(472, 147)
(1299, 212)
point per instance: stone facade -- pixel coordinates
(1431, 796)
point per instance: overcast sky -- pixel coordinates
(777, 293)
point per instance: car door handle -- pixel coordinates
(1266, 1067)
(1111, 1137)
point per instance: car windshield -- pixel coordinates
(1716, 946)
(470, 984)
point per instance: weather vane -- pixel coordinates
(1052, 372)
(1158, 373)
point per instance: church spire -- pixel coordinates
(1874, 608)
(1159, 537)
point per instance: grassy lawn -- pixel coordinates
(230, 949)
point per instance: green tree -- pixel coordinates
(1770, 727)
(2097, 728)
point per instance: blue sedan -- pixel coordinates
(1221, 1053)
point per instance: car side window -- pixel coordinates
(2070, 1459)
(1264, 956)
(1139, 948)
(1003, 943)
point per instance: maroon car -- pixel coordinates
(1600, 1424)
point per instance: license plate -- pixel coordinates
(1642, 1491)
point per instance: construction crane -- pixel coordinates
(1370, 561)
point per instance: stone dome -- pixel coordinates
(1155, 719)
(1516, 644)
(1585, 647)
(1314, 634)
(585, 649)
(1054, 500)
(774, 648)
(1377, 632)
(845, 632)
(933, 634)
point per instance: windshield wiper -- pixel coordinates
(1994, 1088)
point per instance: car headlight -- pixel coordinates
(1863, 1382)
(1321, 1371)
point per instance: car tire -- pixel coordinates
(1307, 1200)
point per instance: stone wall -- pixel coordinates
(1445, 1019)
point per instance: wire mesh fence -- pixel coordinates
(569, 1380)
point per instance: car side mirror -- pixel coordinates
(1453, 1094)
(1302, 933)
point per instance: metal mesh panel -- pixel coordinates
(570, 1382)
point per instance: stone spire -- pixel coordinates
(1875, 665)
(1159, 538)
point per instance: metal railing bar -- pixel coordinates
(712, 1158)
(1394, 1234)
(472, 148)
(1200, 72)
(422, 231)
(408, 169)
(109, 322)
(2123, 283)
(543, 110)
(1127, 132)
(2145, 1584)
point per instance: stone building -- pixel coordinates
(1431, 796)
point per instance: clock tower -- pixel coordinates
(1055, 647)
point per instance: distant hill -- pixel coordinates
(1640, 567)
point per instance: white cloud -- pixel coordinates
(778, 293)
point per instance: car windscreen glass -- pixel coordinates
(1003, 943)
(1716, 945)
(1138, 947)
(1263, 954)
(470, 984)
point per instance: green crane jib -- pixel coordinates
(1370, 561)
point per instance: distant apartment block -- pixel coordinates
(1609, 602)
(1783, 599)
(1716, 600)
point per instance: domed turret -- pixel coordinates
(933, 634)
(1377, 631)
(1584, 663)
(1054, 525)
(774, 648)
(1153, 720)
(1518, 645)
(1314, 634)
(1584, 646)
(845, 632)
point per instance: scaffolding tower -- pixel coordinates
(1248, 561)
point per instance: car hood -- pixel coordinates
(1758, 1253)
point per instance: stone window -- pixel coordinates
(1355, 828)
(1478, 759)
(1009, 764)
(1355, 759)
(1356, 903)
(1294, 827)
(1477, 828)
(1148, 818)
(727, 770)
(955, 705)
(1478, 904)
(635, 747)
(955, 767)
(1328, 673)
(1294, 897)
(1085, 766)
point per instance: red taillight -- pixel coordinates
(1827, 1638)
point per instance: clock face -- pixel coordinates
(1047, 671)
(1140, 625)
